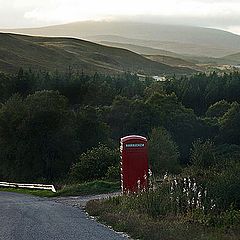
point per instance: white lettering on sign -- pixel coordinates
(129, 145)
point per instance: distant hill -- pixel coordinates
(233, 58)
(158, 55)
(140, 49)
(173, 61)
(180, 39)
(51, 53)
(163, 56)
(178, 48)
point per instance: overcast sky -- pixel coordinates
(223, 14)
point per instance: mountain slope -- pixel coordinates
(178, 48)
(60, 53)
(140, 49)
(233, 58)
(173, 61)
(157, 55)
(180, 39)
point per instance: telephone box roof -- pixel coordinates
(133, 137)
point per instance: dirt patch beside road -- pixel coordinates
(81, 201)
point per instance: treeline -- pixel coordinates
(201, 91)
(49, 121)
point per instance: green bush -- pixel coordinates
(203, 154)
(113, 173)
(218, 109)
(94, 163)
(224, 187)
(229, 125)
(163, 152)
(36, 137)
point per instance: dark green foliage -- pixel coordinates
(90, 130)
(94, 163)
(35, 137)
(229, 125)
(23, 82)
(224, 186)
(201, 90)
(48, 119)
(118, 115)
(133, 116)
(163, 153)
(113, 173)
(181, 122)
(136, 116)
(228, 152)
(42, 133)
(218, 109)
(202, 154)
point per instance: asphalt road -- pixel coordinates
(24, 217)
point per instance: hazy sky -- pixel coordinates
(223, 14)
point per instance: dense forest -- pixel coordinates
(54, 125)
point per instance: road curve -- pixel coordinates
(24, 217)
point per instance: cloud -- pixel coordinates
(72, 10)
(212, 13)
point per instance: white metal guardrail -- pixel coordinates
(26, 185)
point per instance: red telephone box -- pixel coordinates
(134, 164)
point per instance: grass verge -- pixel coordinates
(143, 226)
(88, 188)
(40, 193)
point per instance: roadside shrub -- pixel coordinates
(224, 187)
(163, 152)
(203, 154)
(113, 173)
(94, 164)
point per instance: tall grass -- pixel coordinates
(177, 208)
(172, 196)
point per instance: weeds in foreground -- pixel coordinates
(177, 208)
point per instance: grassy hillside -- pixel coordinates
(233, 58)
(173, 61)
(167, 57)
(179, 48)
(59, 53)
(141, 49)
(179, 39)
